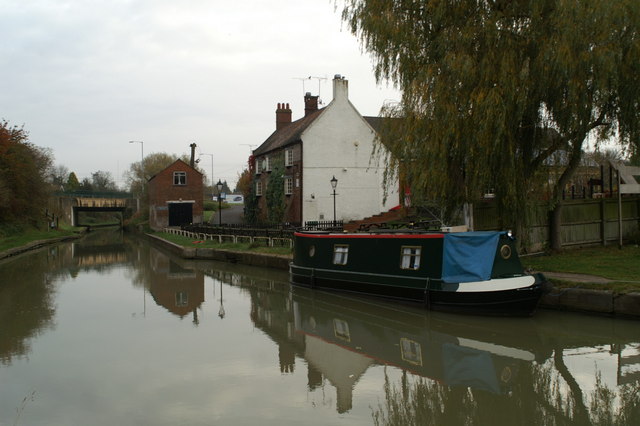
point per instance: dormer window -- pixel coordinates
(179, 178)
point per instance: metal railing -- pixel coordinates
(221, 235)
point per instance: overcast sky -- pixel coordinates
(84, 77)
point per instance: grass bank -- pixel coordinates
(622, 266)
(190, 242)
(22, 236)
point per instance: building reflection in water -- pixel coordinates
(457, 366)
(340, 338)
(177, 288)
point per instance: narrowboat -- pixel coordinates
(467, 272)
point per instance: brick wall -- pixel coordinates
(162, 191)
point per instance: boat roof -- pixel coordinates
(378, 234)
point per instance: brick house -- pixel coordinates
(334, 141)
(175, 196)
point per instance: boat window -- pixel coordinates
(340, 254)
(312, 251)
(505, 252)
(341, 329)
(411, 351)
(410, 257)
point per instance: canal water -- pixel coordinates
(112, 330)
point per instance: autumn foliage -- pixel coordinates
(23, 172)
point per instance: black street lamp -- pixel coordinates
(334, 183)
(219, 185)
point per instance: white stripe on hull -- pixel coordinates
(499, 284)
(497, 349)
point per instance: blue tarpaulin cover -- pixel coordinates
(468, 256)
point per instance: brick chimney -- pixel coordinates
(310, 103)
(283, 116)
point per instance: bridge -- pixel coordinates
(72, 203)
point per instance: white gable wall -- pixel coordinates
(340, 143)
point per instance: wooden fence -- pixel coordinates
(584, 222)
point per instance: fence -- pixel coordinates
(270, 235)
(584, 222)
(267, 238)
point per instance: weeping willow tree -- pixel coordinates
(490, 89)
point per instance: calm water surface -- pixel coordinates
(111, 330)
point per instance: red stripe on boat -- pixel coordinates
(390, 236)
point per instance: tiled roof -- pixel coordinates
(287, 135)
(375, 122)
(170, 165)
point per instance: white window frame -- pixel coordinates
(259, 188)
(410, 257)
(182, 298)
(179, 178)
(341, 329)
(258, 166)
(288, 185)
(288, 157)
(340, 254)
(267, 159)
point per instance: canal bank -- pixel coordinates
(601, 302)
(36, 244)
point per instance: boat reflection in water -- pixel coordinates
(552, 366)
(344, 337)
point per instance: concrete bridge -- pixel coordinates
(71, 204)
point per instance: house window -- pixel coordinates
(288, 186)
(182, 298)
(258, 166)
(340, 254)
(410, 257)
(267, 164)
(179, 178)
(259, 188)
(288, 157)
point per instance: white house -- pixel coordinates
(334, 141)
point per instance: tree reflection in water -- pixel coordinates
(26, 306)
(557, 400)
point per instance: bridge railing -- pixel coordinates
(94, 194)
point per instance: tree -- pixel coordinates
(275, 190)
(86, 185)
(72, 182)
(103, 181)
(140, 173)
(491, 88)
(243, 185)
(24, 169)
(246, 185)
(58, 176)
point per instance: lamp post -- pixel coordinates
(334, 183)
(221, 312)
(219, 185)
(210, 155)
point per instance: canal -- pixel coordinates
(112, 330)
